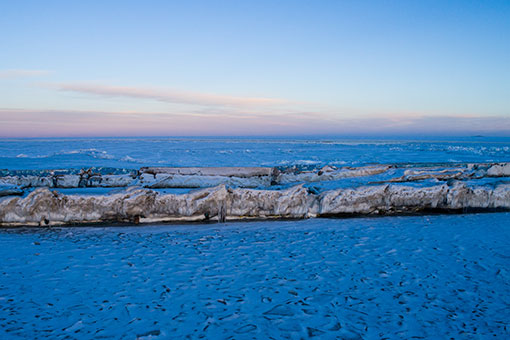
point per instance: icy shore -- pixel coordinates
(234, 193)
(243, 177)
(43, 207)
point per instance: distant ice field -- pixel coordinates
(131, 153)
(424, 277)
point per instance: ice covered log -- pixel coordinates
(30, 181)
(438, 174)
(329, 173)
(382, 199)
(391, 199)
(192, 177)
(234, 171)
(499, 170)
(294, 202)
(195, 177)
(80, 180)
(44, 207)
(108, 181)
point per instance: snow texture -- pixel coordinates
(422, 277)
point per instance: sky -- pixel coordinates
(174, 68)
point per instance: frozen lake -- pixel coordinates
(132, 153)
(442, 277)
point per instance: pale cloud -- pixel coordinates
(18, 73)
(57, 123)
(169, 96)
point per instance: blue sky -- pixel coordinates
(70, 68)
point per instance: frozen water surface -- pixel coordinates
(434, 277)
(131, 153)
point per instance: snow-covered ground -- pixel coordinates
(432, 277)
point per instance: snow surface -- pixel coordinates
(433, 277)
